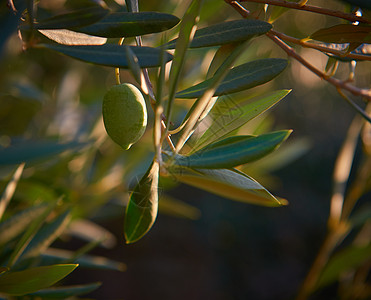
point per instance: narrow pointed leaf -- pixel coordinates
(187, 31)
(226, 33)
(132, 5)
(234, 151)
(133, 64)
(58, 256)
(33, 279)
(15, 225)
(229, 114)
(47, 234)
(231, 184)
(141, 211)
(30, 151)
(343, 33)
(240, 78)
(67, 291)
(77, 18)
(347, 259)
(68, 37)
(128, 24)
(111, 55)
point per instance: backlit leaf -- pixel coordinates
(240, 78)
(141, 211)
(231, 184)
(343, 33)
(33, 279)
(111, 54)
(229, 113)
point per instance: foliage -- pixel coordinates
(59, 168)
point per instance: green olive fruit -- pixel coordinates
(124, 114)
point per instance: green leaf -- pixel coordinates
(343, 33)
(77, 18)
(234, 151)
(347, 259)
(127, 24)
(228, 114)
(220, 56)
(186, 35)
(68, 37)
(141, 211)
(47, 234)
(226, 33)
(132, 5)
(16, 224)
(240, 78)
(231, 184)
(58, 256)
(67, 291)
(30, 151)
(33, 279)
(111, 55)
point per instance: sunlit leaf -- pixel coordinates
(349, 258)
(125, 24)
(231, 184)
(234, 151)
(240, 78)
(66, 291)
(343, 33)
(68, 37)
(30, 151)
(141, 211)
(77, 18)
(226, 33)
(229, 113)
(33, 279)
(111, 54)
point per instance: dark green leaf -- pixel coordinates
(234, 151)
(343, 33)
(67, 291)
(228, 114)
(33, 279)
(111, 55)
(125, 24)
(231, 184)
(226, 33)
(29, 151)
(240, 78)
(77, 18)
(132, 5)
(47, 234)
(347, 259)
(141, 211)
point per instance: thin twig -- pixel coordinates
(305, 44)
(365, 93)
(315, 9)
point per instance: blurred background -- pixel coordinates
(202, 246)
